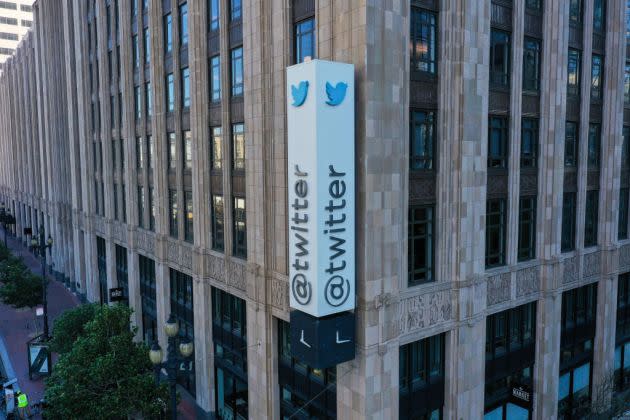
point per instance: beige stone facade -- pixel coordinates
(69, 162)
(16, 18)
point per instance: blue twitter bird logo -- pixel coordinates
(336, 94)
(299, 93)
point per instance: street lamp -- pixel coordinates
(171, 328)
(42, 245)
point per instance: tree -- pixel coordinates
(105, 375)
(24, 290)
(69, 326)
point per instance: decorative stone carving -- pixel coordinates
(172, 252)
(146, 242)
(527, 281)
(498, 289)
(423, 311)
(99, 225)
(592, 263)
(624, 256)
(236, 276)
(570, 273)
(215, 267)
(185, 257)
(280, 294)
(120, 233)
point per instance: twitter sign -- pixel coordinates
(321, 184)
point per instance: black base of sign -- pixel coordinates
(322, 342)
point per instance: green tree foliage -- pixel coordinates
(24, 291)
(69, 326)
(106, 375)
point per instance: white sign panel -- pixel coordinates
(320, 113)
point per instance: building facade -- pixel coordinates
(16, 17)
(492, 173)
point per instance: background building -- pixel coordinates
(149, 137)
(16, 17)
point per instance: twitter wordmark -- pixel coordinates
(299, 93)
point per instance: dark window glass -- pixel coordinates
(570, 144)
(168, 33)
(213, 14)
(183, 24)
(575, 11)
(148, 299)
(573, 72)
(215, 78)
(151, 208)
(531, 64)
(188, 221)
(499, 58)
(527, 229)
(510, 330)
(218, 223)
(423, 38)
(122, 276)
(240, 228)
(422, 139)
(568, 222)
(623, 213)
(138, 102)
(141, 206)
(124, 205)
(182, 309)
(115, 192)
(626, 84)
(170, 93)
(597, 68)
(495, 232)
(217, 148)
(174, 214)
(172, 152)
(235, 9)
(594, 146)
(187, 150)
(147, 46)
(421, 245)
(139, 153)
(304, 40)
(498, 142)
(237, 71)
(590, 224)
(186, 88)
(598, 16)
(534, 5)
(148, 100)
(625, 147)
(238, 146)
(529, 142)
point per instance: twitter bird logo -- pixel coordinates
(336, 94)
(299, 93)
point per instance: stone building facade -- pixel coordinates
(149, 138)
(16, 17)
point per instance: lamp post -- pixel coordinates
(41, 245)
(171, 328)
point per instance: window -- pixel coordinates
(26, 8)
(151, 157)
(421, 378)
(101, 255)
(596, 78)
(185, 88)
(145, 6)
(148, 299)
(218, 243)
(188, 221)
(213, 14)
(533, 5)
(625, 147)
(122, 275)
(304, 40)
(111, 111)
(172, 152)
(570, 144)
(623, 213)
(187, 150)
(26, 23)
(147, 46)
(151, 209)
(575, 11)
(594, 140)
(568, 222)
(422, 139)
(238, 146)
(422, 39)
(237, 71)
(174, 214)
(8, 36)
(498, 142)
(590, 224)
(529, 142)
(240, 228)
(124, 205)
(182, 309)
(8, 21)
(140, 206)
(183, 24)
(598, 16)
(531, 64)
(626, 84)
(495, 232)
(139, 153)
(235, 10)
(170, 93)
(216, 149)
(115, 193)
(168, 33)
(138, 102)
(134, 8)
(148, 100)
(499, 58)
(8, 5)
(136, 51)
(215, 79)
(421, 245)
(527, 229)
(573, 72)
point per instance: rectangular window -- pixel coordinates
(173, 214)
(622, 233)
(148, 100)
(183, 24)
(124, 204)
(172, 150)
(575, 11)
(570, 144)
(218, 243)
(594, 145)
(237, 71)
(498, 142)
(597, 67)
(240, 228)
(188, 221)
(168, 33)
(626, 83)
(151, 208)
(529, 142)
(531, 64)
(568, 222)
(235, 10)
(625, 147)
(139, 153)
(147, 46)
(238, 146)
(187, 150)
(499, 58)
(217, 148)
(8, 5)
(151, 155)
(213, 14)
(590, 224)
(115, 192)
(138, 102)
(304, 40)
(422, 140)
(148, 298)
(170, 93)
(182, 308)
(421, 245)
(423, 28)
(215, 79)
(573, 72)
(496, 232)
(599, 16)
(112, 118)
(140, 206)
(186, 88)
(527, 229)
(122, 276)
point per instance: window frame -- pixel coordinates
(496, 208)
(426, 273)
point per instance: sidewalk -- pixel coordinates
(19, 326)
